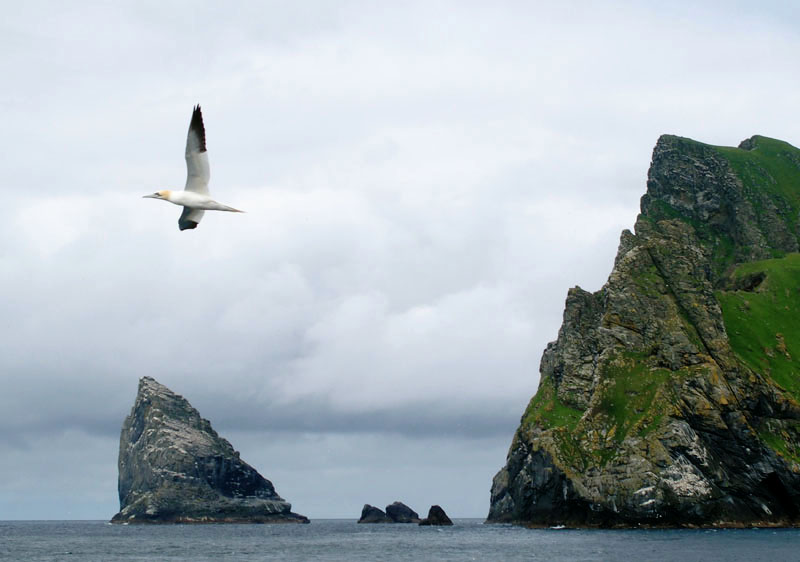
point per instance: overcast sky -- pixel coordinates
(423, 183)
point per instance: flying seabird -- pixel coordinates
(194, 198)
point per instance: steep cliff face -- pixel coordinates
(670, 395)
(173, 467)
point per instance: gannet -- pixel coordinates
(194, 198)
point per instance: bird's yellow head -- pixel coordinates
(163, 194)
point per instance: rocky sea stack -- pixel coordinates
(372, 514)
(436, 517)
(401, 513)
(174, 468)
(670, 397)
(397, 512)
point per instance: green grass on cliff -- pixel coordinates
(633, 400)
(546, 410)
(780, 444)
(764, 325)
(773, 166)
(631, 387)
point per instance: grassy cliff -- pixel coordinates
(672, 395)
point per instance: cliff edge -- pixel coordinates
(670, 397)
(174, 468)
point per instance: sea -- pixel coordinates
(339, 539)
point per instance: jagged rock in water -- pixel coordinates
(436, 516)
(399, 512)
(174, 468)
(372, 514)
(670, 397)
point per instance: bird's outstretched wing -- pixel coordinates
(197, 171)
(190, 218)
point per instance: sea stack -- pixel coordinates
(174, 468)
(672, 394)
(436, 517)
(399, 512)
(372, 514)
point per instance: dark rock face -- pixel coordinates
(436, 516)
(645, 413)
(372, 514)
(174, 468)
(399, 512)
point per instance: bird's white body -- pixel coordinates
(194, 198)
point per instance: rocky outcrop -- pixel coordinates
(436, 516)
(174, 468)
(396, 512)
(399, 512)
(372, 514)
(658, 404)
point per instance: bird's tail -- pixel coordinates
(230, 209)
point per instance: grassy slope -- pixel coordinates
(773, 167)
(764, 330)
(632, 399)
(546, 410)
(627, 397)
(764, 326)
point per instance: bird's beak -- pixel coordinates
(151, 196)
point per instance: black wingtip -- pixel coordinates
(197, 126)
(187, 225)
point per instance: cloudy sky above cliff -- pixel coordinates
(423, 182)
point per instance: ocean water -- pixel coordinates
(468, 539)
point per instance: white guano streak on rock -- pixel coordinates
(683, 478)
